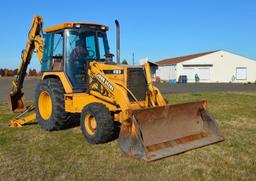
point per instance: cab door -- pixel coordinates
(53, 59)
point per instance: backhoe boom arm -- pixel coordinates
(34, 41)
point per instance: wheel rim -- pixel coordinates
(45, 105)
(90, 124)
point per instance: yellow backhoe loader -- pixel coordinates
(79, 76)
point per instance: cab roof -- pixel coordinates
(70, 25)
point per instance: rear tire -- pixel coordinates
(97, 124)
(49, 101)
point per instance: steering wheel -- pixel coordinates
(91, 53)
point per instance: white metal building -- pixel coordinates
(214, 66)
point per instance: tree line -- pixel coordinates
(13, 72)
(31, 72)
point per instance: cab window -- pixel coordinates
(46, 60)
(57, 58)
(102, 47)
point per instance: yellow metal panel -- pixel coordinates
(76, 102)
(117, 78)
(66, 84)
(137, 105)
(114, 67)
(71, 25)
(103, 66)
(21, 121)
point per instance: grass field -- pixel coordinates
(34, 154)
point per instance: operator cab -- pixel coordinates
(70, 47)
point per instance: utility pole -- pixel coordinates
(133, 62)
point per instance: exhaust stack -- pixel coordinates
(117, 42)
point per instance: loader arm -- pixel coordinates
(34, 42)
(154, 96)
(118, 95)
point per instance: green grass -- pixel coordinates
(30, 153)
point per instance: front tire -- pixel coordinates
(97, 124)
(49, 101)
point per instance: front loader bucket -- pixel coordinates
(159, 132)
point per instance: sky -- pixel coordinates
(149, 28)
